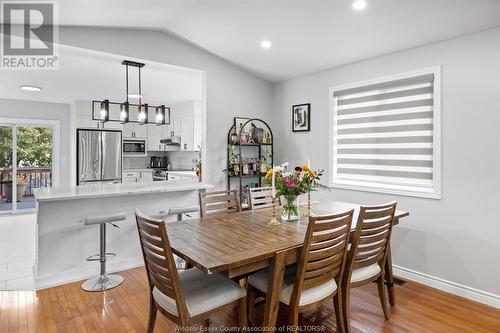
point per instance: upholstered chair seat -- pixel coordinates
(202, 292)
(363, 273)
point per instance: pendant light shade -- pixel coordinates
(143, 113)
(160, 115)
(105, 110)
(124, 112)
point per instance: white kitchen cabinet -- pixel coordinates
(187, 118)
(137, 176)
(135, 131)
(154, 137)
(165, 130)
(177, 126)
(112, 125)
(146, 176)
(141, 131)
(128, 131)
(130, 174)
(129, 180)
(187, 137)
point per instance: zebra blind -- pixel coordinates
(384, 136)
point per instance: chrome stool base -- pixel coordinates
(102, 283)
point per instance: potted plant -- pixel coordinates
(21, 184)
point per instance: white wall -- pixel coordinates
(230, 91)
(11, 108)
(456, 238)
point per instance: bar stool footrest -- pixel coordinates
(97, 257)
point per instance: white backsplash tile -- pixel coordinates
(135, 162)
(182, 160)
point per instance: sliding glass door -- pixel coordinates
(6, 167)
(31, 147)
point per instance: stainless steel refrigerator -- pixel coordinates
(99, 154)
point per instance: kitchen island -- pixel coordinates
(64, 242)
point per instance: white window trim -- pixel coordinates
(55, 126)
(435, 193)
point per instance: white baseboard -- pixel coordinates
(78, 275)
(448, 286)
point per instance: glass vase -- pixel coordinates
(290, 208)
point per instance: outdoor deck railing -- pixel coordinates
(38, 178)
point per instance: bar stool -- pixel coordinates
(179, 211)
(103, 281)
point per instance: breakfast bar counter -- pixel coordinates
(64, 242)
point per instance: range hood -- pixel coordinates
(172, 141)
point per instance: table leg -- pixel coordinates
(389, 277)
(274, 283)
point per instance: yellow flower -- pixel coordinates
(269, 173)
(305, 168)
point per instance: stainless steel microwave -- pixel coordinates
(134, 147)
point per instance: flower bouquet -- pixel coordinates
(291, 185)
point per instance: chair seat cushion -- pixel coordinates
(202, 292)
(363, 273)
(308, 296)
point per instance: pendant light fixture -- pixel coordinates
(162, 112)
(124, 112)
(160, 115)
(105, 111)
(143, 113)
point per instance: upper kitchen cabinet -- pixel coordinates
(155, 134)
(187, 124)
(135, 131)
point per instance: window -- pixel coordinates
(385, 135)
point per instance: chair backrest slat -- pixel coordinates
(219, 202)
(159, 260)
(324, 252)
(261, 197)
(373, 232)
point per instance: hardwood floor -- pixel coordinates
(125, 309)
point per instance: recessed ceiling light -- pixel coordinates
(30, 88)
(135, 96)
(265, 44)
(359, 4)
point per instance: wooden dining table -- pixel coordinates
(239, 244)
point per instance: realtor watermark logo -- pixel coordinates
(29, 35)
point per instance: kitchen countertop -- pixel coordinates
(152, 169)
(110, 190)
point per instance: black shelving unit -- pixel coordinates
(256, 152)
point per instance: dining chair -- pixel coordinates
(368, 253)
(261, 197)
(219, 202)
(188, 296)
(317, 277)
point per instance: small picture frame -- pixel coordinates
(238, 123)
(301, 117)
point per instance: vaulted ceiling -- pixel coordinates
(306, 35)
